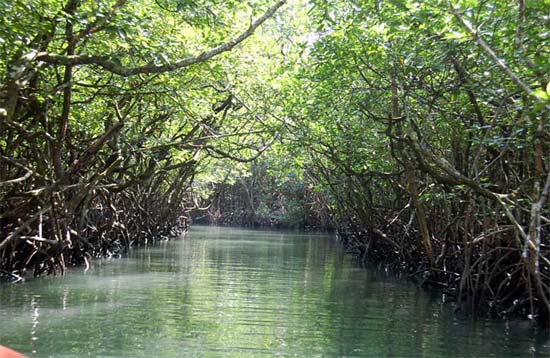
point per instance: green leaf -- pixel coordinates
(541, 94)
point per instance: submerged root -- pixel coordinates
(47, 244)
(493, 282)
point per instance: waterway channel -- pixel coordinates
(225, 292)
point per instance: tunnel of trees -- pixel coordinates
(419, 131)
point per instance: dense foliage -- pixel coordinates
(107, 109)
(420, 128)
(426, 127)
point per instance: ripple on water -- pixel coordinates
(243, 293)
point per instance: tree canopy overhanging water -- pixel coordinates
(417, 130)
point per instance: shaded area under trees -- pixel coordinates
(431, 149)
(105, 113)
(419, 128)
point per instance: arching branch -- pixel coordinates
(117, 68)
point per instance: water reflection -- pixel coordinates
(243, 293)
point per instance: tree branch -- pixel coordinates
(117, 68)
(489, 51)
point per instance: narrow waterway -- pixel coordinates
(244, 293)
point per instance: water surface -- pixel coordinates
(244, 293)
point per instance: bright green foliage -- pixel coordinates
(420, 134)
(420, 127)
(108, 109)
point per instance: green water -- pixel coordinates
(241, 293)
